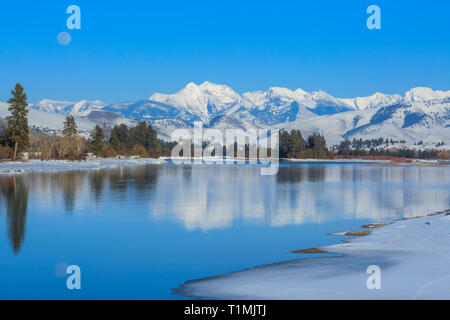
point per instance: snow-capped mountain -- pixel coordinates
(419, 114)
(425, 94)
(374, 101)
(50, 122)
(203, 100)
(90, 113)
(426, 121)
(81, 108)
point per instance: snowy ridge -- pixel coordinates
(419, 114)
(81, 108)
(53, 122)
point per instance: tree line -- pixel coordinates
(292, 145)
(359, 144)
(16, 137)
(141, 140)
(358, 148)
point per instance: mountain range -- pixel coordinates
(421, 114)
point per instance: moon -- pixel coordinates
(64, 38)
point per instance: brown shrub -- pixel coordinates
(443, 155)
(139, 150)
(6, 152)
(108, 152)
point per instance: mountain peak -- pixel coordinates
(82, 107)
(202, 100)
(421, 94)
(321, 95)
(280, 92)
(301, 92)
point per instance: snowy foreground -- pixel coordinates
(63, 165)
(413, 256)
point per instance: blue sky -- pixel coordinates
(127, 50)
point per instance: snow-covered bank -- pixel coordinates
(228, 160)
(63, 165)
(334, 160)
(413, 256)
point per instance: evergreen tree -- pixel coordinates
(120, 138)
(70, 130)
(147, 137)
(317, 143)
(154, 147)
(97, 142)
(285, 145)
(298, 143)
(17, 132)
(139, 134)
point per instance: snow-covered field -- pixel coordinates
(413, 256)
(62, 165)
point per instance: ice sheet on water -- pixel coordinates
(413, 256)
(63, 165)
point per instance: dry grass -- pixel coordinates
(375, 225)
(311, 250)
(360, 233)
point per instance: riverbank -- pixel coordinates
(66, 165)
(413, 256)
(8, 167)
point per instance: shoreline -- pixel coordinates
(413, 255)
(34, 165)
(30, 166)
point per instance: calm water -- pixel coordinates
(138, 232)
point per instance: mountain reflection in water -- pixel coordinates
(209, 197)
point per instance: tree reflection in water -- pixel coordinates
(71, 187)
(14, 190)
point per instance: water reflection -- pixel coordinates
(15, 193)
(97, 184)
(210, 197)
(216, 197)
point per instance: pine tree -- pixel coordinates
(17, 132)
(298, 143)
(317, 143)
(153, 146)
(97, 142)
(139, 134)
(120, 138)
(146, 136)
(70, 130)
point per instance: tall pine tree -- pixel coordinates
(17, 132)
(70, 130)
(120, 138)
(97, 142)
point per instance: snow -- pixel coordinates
(63, 165)
(421, 94)
(49, 122)
(198, 98)
(374, 101)
(81, 108)
(413, 256)
(420, 114)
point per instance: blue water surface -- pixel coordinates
(138, 232)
